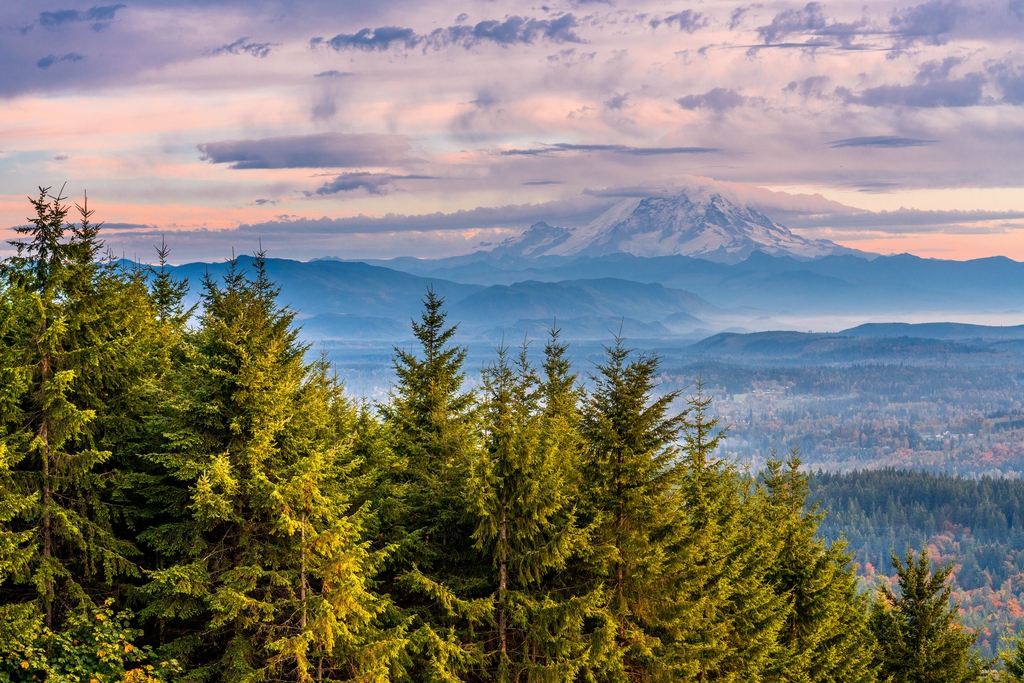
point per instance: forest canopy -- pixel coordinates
(189, 494)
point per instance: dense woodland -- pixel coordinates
(974, 525)
(186, 495)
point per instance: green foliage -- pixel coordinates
(733, 615)
(918, 630)
(94, 645)
(74, 335)
(523, 490)
(1012, 660)
(437, 581)
(196, 464)
(265, 551)
(631, 479)
(825, 633)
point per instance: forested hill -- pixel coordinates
(975, 524)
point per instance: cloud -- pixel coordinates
(241, 47)
(1010, 80)
(49, 60)
(687, 20)
(930, 22)
(718, 99)
(426, 235)
(1017, 7)
(962, 92)
(510, 215)
(617, 101)
(370, 39)
(809, 87)
(519, 30)
(737, 16)
(807, 19)
(333, 73)
(323, 150)
(564, 147)
(514, 30)
(542, 182)
(890, 141)
(931, 88)
(373, 183)
(904, 221)
(100, 15)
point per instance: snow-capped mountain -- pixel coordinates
(700, 223)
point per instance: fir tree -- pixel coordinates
(1011, 660)
(727, 615)
(919, 636)
(20, 622)
(632, 478)
(523, 486)
(270, 577)
(74, 350)
(825, 635)
(435, 576)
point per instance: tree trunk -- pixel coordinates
(302, 583)
(44, 436)
(503, 582)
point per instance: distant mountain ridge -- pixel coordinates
(685, 296)
(700, 223)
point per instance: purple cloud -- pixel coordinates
(687, 20)
(323, 150)
(514, 30)
(932, 88)
(809, 18)
(1010, 80)
(241, 47)
(49, 60)
(100, 15)
(718, 100)
(885, 141)
(373, 183)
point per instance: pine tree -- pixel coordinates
(727, 616)
(74, 350)
(632, 478)
(825, 635)
(268, 573)
(919, 636)
(20, 622)
(523, 485)
(435, 576)
(1011, 660)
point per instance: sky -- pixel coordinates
(382, 128)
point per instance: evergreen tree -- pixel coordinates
(523, 485)
(269, 575)
(728, 616)
(632, 478)
(1012, 660)
(74, 354)
(825, 635)
(20, 621)
(435, 576)
(918, 631)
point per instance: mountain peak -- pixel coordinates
(700, 223)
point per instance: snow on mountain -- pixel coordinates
(697, 222)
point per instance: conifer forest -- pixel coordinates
(188, 494)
